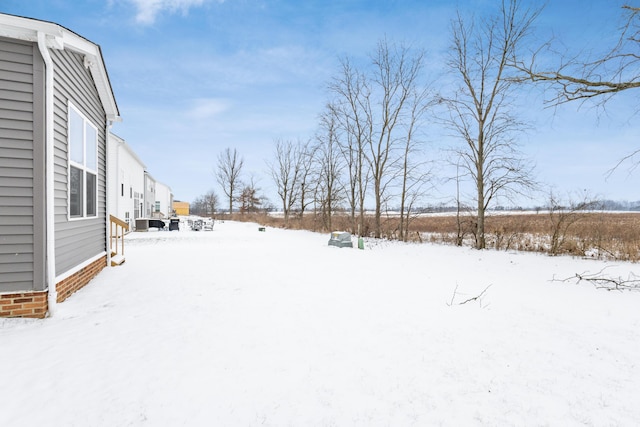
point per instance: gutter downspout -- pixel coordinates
(107, 187)
(52, 295)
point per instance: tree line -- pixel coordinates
(369, 144)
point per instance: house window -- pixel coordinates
(136, 205)
(83, 166)
(157, 206)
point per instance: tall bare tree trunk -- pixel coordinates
(286, 172)
(228, 174)
(480, 110)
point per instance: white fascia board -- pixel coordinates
(58, 37)
(122, 143)
(149, 177)
(16, 27)
(165, 186)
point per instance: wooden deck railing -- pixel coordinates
(117, 228)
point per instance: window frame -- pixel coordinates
(85, 166)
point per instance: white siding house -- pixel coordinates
(127, 179)
(164, 201)
(149, 195)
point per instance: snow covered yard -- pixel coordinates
(237, 327)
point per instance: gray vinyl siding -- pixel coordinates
(80, 239)
(22, 213)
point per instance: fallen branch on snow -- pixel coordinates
(602, 281)
(476, 298)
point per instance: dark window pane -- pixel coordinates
(75, 192)
(91, 194)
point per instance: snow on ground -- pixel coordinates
(236, 327)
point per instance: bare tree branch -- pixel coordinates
(476, 298)
(580, 79)
(602, 281)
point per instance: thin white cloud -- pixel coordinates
(206, 108)
(280, 65)
(148, 10)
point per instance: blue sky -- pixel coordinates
(193, 77)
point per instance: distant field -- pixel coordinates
(603, 235)
(608, 235)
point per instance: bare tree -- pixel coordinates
(462, 225)
(286, 172)
(211, 202)
(198, 206)
(413, 175)
(373, 104)
(562, 217)
(205, 205)
(480, 112)
(327, 156)
(395, 76)
(228, 173)
(249, 198)
(351, 94)
(306, 158)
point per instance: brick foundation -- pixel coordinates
(31, 304)
(79, 279)
(34, 304)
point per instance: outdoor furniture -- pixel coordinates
(143, 224)
(341, 239)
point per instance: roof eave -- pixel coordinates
(59, 37)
